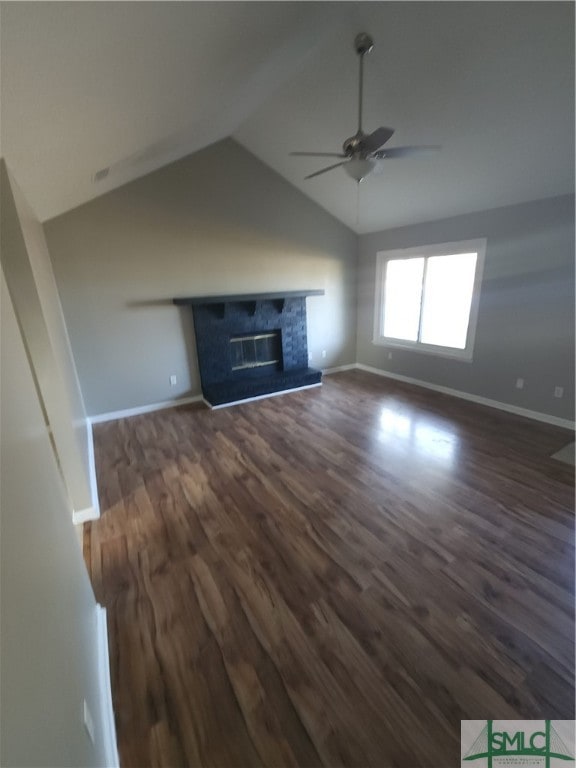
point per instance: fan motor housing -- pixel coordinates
(353, 145)
(363, 43)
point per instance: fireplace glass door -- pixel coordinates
(255, 350)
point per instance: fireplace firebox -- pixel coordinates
(257, 350)
(251, 345)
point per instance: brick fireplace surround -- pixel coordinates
(219, 320)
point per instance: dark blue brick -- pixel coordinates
(216, 324)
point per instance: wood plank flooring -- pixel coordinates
(332, 577)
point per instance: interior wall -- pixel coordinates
(29, 275)
(526, 316)
(48, 654)
(216, 222)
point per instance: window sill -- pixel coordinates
(461, 355)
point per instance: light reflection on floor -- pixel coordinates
(415, 434)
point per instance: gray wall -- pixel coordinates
(220, 222)
(217, 222)
(526, 318)
(28, 273)
(48, 653)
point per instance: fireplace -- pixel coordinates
(251, 345)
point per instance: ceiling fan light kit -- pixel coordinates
(359, 167)
(361, 152)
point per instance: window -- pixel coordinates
(427, 298)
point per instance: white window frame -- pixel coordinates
(477, 246)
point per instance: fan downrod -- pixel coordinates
(363, 44)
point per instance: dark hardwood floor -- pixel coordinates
(332, 577)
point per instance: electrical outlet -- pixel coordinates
(519, 383)
(88, 721)
(323, 353)
(173, 380)
(558, 391)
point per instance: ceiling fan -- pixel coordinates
(361, 152)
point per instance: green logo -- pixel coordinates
(539, 742)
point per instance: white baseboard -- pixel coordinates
(536, 415)
(85, 515)
(113, 415)
(261, 397)
(92, 468)
(109, 745)
(339, 368)
(93, 511)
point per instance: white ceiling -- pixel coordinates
(136, 85)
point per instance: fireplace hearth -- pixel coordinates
(251, 345)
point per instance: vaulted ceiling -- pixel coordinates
(131, 86)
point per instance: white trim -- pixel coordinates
(93, 511)
(260, 397)
(92, 467)
(536, 415)
(477, 246)
(85, 515)
(105, 691)
(338, 368)
(422, 349)
(113, 415)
